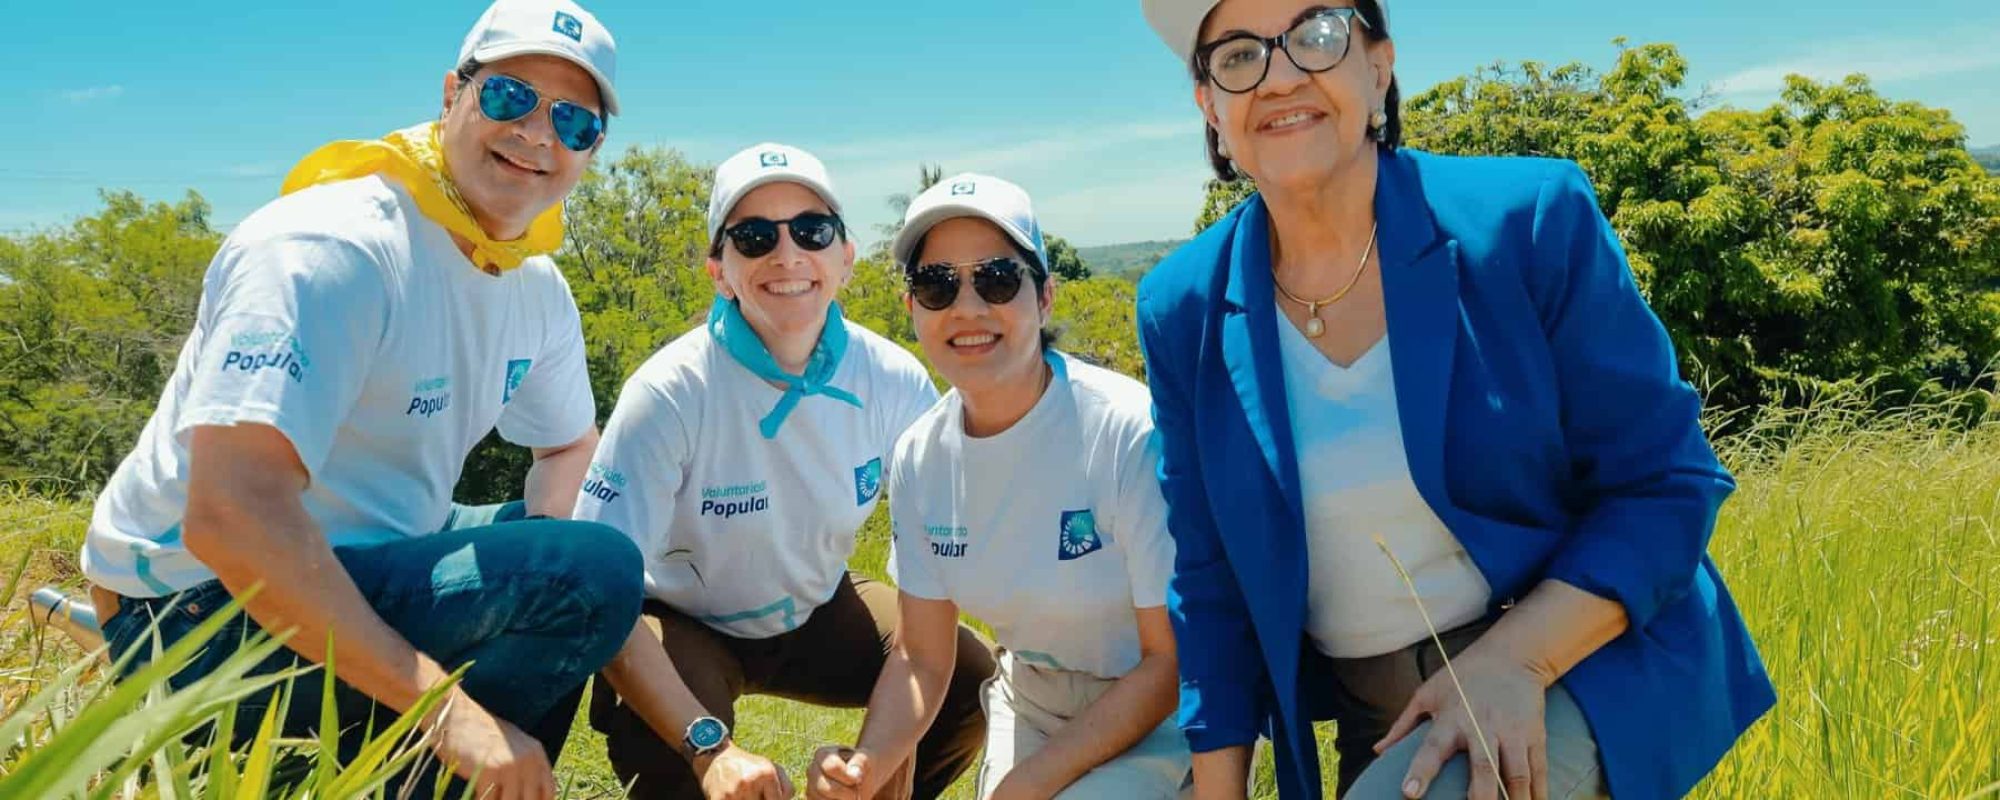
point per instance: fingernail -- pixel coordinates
(1413, 788)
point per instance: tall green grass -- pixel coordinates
(1862, 548)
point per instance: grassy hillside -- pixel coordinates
(1129, 260)
(1988, 157)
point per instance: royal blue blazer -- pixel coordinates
(1544, 421)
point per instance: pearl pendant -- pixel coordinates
(1315, 328)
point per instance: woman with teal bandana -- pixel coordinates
(743, 458)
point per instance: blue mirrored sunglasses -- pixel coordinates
(504, 98)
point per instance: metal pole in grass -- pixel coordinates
(1411, 586)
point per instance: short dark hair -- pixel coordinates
(1036, 268)
(1391, 136)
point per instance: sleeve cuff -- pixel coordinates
(1613, 570)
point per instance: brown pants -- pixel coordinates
(1370, 693)
(832, 660)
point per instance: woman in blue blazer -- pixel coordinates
(1386, 351)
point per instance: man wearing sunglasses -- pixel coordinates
(743, 458)
(356, 338)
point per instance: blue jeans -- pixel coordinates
(538, 606)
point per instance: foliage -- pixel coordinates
(91, 322)
(1064, 261)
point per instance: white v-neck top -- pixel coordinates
(1355, 484)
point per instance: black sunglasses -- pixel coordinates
(756, 237)
(935, 286)
(1317, 42)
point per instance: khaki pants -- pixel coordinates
(1369, 693)
(1026, 705)
(832, 660)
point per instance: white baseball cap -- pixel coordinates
(972, 195)
(1178, 22)
(765, 163)
(557, 28)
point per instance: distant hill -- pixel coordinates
(1988, 157)
(1129, 260)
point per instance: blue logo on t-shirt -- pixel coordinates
(517, 371)
(429, 397)
(569, 26)
(260, 350)
(1079, 536)
(867, 481)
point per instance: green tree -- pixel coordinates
(1064, 261)
(928, 175)
(92, 317)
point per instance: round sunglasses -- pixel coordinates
(505, 98)
(1318, 42)
(935, 286)
(812, 231)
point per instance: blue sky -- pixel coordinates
(1074, 99)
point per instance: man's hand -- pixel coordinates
(734, 773)
(501, 761)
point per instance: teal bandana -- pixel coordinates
(733, 332)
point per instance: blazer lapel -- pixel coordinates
(1250, 350)
(1420, 288)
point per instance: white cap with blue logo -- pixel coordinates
(972, 195)
(557, 28)
(758, 165)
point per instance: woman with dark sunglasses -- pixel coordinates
(743, 458)
(1026, 497)
(1386, 352)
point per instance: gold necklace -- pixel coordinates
(1314, 327)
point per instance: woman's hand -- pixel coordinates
(1506, 699)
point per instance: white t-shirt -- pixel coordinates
(748, 534)
(1355, 483)
(345, 319)
(1052, 531)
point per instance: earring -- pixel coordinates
(1378, 125)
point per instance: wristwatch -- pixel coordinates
(704, 736)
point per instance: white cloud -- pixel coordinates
(1884, 61)
(93, 93)
(1158, 207)
(1093, 185)
(262, 170)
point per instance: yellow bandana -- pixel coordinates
(413, 158)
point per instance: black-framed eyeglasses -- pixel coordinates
(505, 98)
(935, 286)
(812, 231)
(1319, 41)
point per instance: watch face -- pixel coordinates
(706, 733)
